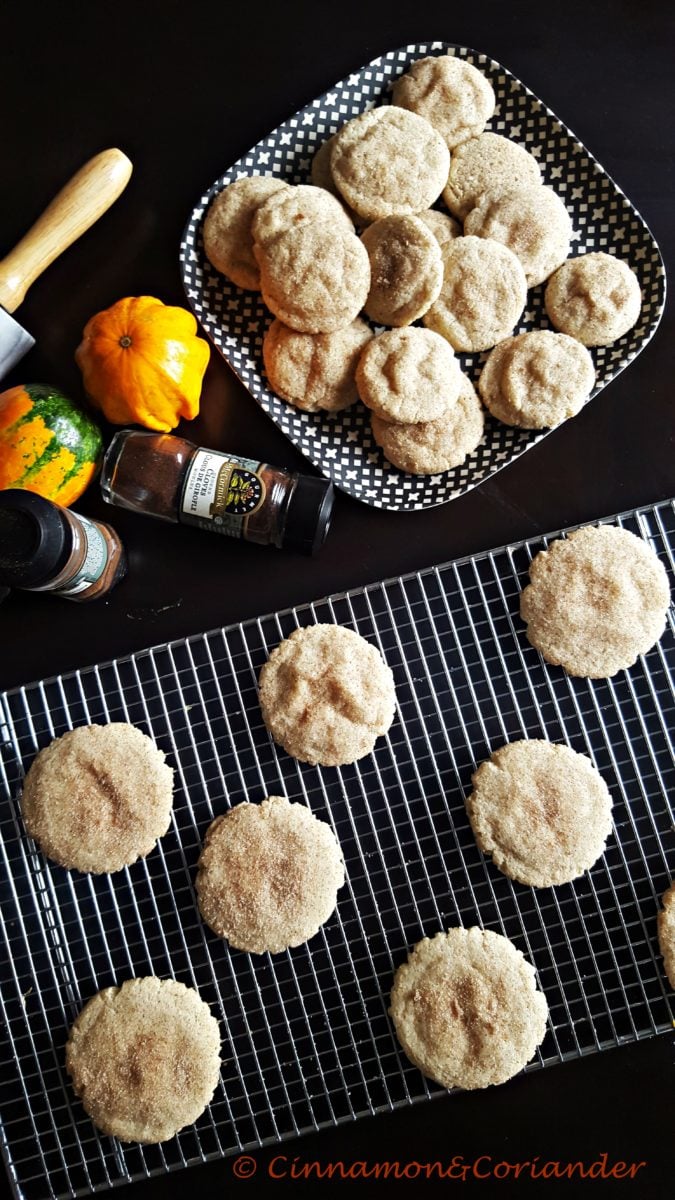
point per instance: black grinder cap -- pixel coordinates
(309, 512)
(35, 539)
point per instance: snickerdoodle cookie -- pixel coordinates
(466, 1008)
(389, 161)
(228, 237)
(98, 798)
(666, 930)
(294, 206)
(408, 375)
(531, 221)
(314, 277)
(315, 371)
(541, 810)
(326, 695)
(489, 162)
(596, 600)
(537, 380)
(268, 875)
(444, 228)
(144, 1058)
(482, 296)
(595, 298)
(450, 94)
(406, 269)
(429, 447)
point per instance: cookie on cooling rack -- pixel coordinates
(532, 221)
(268, 875)
(541, 811)
(315, 371)
(228, 238)
(595, 298)
(666, 930)
(406, 270)
(327, 695)
(407, 375)
(537, 380)
(449, 93)
(429, 447)
(98, 798)
(466, 1008)
(482, 296)
(596, 600)
(315, 277)
(488, 162)
(144, 1059)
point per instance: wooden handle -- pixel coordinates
(78, 205)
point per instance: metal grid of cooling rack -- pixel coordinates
(306, 1037)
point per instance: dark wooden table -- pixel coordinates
(184, 89)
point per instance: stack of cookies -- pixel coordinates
(463, 273)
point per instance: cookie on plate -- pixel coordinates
(444, 228)
(327, 695)
(429, 447)
(537, 380)
(450, 94)
(408, 375)
(595, 298)
(268, 875)
(489, 162)
(596, 600)
(532, 221)
(466, 1008)
(482, 296)
(144, 1058)
(406, 269)
(541, 811)
(294, 206)
(228, 237)
(389, 161)
(666, 930)
(315, 277)
(315, 371)
(98, 798)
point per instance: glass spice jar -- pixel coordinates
(170, 478)
(47, 548)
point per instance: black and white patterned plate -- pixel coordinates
(340, 445)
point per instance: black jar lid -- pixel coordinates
(35, 539)
(309, 512)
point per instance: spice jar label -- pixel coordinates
(94, 563)
(221, 491)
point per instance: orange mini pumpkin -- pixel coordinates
(142, 363)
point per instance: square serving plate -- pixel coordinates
(340, 445)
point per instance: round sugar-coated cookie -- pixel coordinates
(315, 371)
(537, 380)
(531, 221)
(595, 298)
(315, 277)
(407, 375)
(489, 162)
(144, 1058)
(406, 269)
(268, 875)
(294, 206)
(482, 296)
(450, 94)
(228, 236)
(322, 176)
(429, 447)
(389, 161)
(466, 1008)
(327, 695)
(444, 228)
(666, 931)
(541, 811)
(596, 600)
(98, 798)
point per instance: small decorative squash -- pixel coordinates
(47, 444)
(142, 363)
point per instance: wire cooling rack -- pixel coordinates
(306, 1037)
